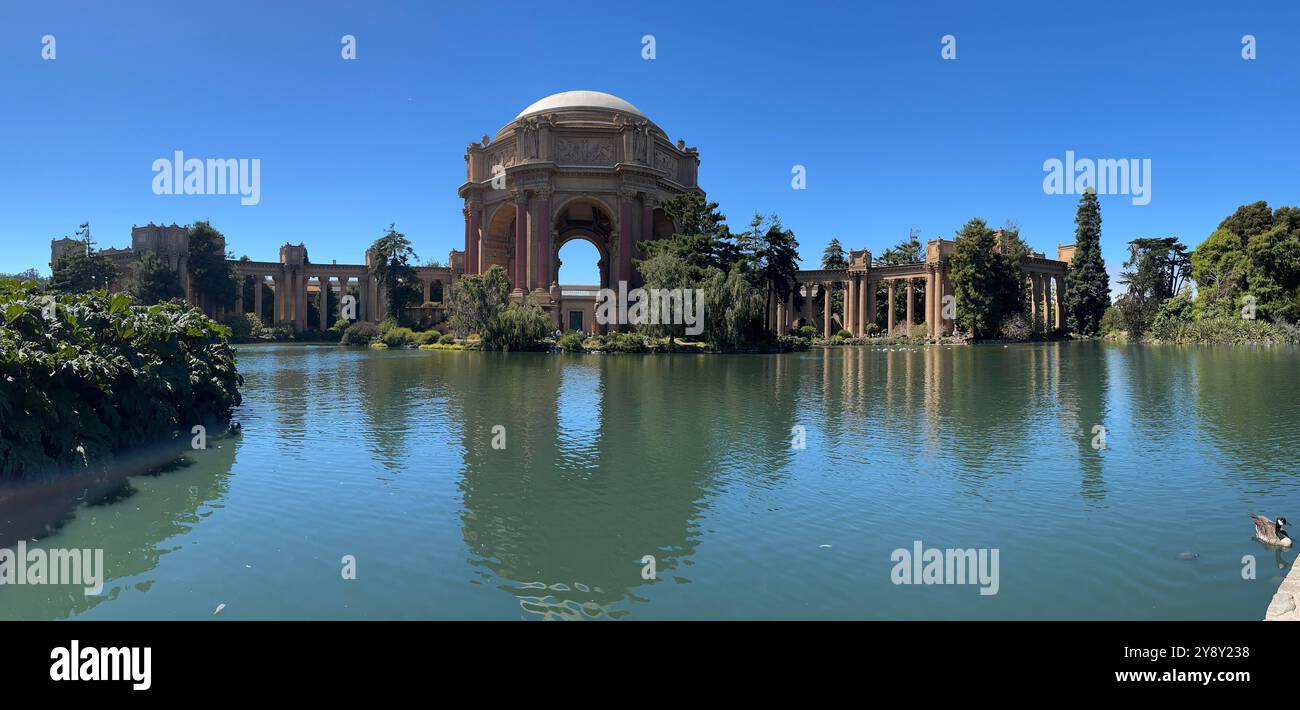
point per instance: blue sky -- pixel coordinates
(892, 136)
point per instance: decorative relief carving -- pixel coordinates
(666, 163)
(585, 151)
(504, 158)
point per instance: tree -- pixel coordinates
(833, 256)
(391, 258)
(518, 326)
(1087, 285)
(211, 276)
(476, 299)
(154, 281)
(770, 257)
(1157, 269)
(908, 251)
(80, 271)
(701, 238)
(666, 271)
(977, 279)
(28, 275)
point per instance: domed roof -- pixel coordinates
(581, 99)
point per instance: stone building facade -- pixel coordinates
(575, 165)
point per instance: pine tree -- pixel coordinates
(977, 279)
(1087, 286)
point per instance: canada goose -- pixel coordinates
(1270, 532)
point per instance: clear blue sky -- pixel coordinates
(892, 136)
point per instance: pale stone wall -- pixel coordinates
(1286, 602)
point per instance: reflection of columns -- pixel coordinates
(826, 309)
(521, 240)
(911, 305)
(889, 317)
(851, 304)
(257, 295)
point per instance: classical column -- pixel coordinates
(1034, 306)
(911, 305)
(945, 290)
(787, 309)
(239, 293)
(1044, 299)
(257, 295)
(521, 241)
(541, 238)
(324, 306)
(929, 302)
(647, 217)
(474, 255)
(1060, 303)
(889, 317)
(469, 241)
(826, 309)
(850, 301)
(863, 285)
(625, 237)
(302, 301)
(871, 302)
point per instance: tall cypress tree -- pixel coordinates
(1087, 286)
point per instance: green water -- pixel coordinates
(388, 457)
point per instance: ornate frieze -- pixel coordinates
(584, 151)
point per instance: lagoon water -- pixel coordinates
(387, 456)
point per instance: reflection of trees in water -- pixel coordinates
(1084, 387)
(992, 393)
(562, 521)
(131, 529)
(1244, 402)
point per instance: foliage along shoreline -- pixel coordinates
(87, 378)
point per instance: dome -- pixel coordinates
(581, 99)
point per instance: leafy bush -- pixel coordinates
(808, 332)
(518, 326)
(1229, 331)
(244, 326)
(101, 375)
(398, 337)
(791, 343)
(1015, 326)
(360, 333)
(617, 343)
(872, 329)
(1112, 321)
(342, 324)
(845, 334)
(570, 342)
(386, 325)
(447, 339)
(428, 337)
(1171, 316)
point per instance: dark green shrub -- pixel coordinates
(98, 375)
(244, 326)
(570, 342)
(808, 332)
(398, 337)
(447, 339)
(360, 333)
(518, 326)
(845, 334)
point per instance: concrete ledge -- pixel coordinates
(1286, 603)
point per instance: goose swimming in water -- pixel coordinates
(1271, 532)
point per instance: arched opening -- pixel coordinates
(583, 270)
(579, 263)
